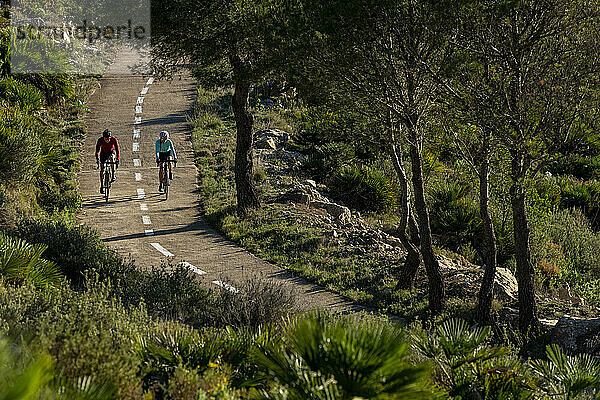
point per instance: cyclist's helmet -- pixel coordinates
(107, 133)
(164, 135)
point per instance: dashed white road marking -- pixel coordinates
(149, 232)
(138, 176)
(144, 91)
(138, 109)
(138, 120)
(140, 100)
(226, 286)
(161, 249)
(136, 162)
(136, 147)
(146, 220)
(144, 207)
(150, 81)
(141, 194)
(192, 268)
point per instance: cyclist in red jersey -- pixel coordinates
(107, 147)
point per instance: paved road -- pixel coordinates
(138, 221)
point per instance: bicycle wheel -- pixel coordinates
(106, 184)
(166, 184)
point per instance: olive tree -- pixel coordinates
(233, 42)
(534, 91)
(383, 54)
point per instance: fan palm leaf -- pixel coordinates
(567, 375)
(357, 358)
(23, 262)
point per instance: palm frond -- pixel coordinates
(23, 262)
(564, 374)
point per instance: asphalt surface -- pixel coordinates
(138, 221)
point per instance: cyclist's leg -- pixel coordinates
(170, 158)
(102, 158)
(113, 157)
(160, 174)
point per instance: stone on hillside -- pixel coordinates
(505, 283)
(265, 143)
(296, 196)
(577, 335)
(506, 286)
(339, 212)
(276, 134)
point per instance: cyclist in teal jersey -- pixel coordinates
(164, 150)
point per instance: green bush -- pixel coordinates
(26, 97)
(345, 358)
(363, 188)
(21, 377)
(543, 198)
(567, 241)
(582, 195)
(22, 262)
(580, 167)
(325, 160)
(567, 377)
(454, 215)
(470, 367)
(19, 146)
(75, 248)
(170, 292)
(88, 334)
(258, 301)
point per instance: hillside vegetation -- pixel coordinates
(382, 149)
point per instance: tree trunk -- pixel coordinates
(406, 278)
(528, 320)
(246, 193)
(486, 292)
(432, 267)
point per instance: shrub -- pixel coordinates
(175, 351)
(364, 188)
(168, 292)
(318, 127)
(564, 376)
(324, 358)
(582, 195)
(567, 240)
(19, 147)
(454, 215)
(580, 167)
(258, 301)
(325, 160)
(470, 367)
(88, 334)
(21, 378)
(75, 248)
(22, 262)
(27, 97)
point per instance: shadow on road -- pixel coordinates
(98, 201)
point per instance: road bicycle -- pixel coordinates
(166, 182)
(107, 178)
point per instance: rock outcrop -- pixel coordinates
(577, 335)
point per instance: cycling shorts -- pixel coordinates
(106, 156)
(164, 155)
